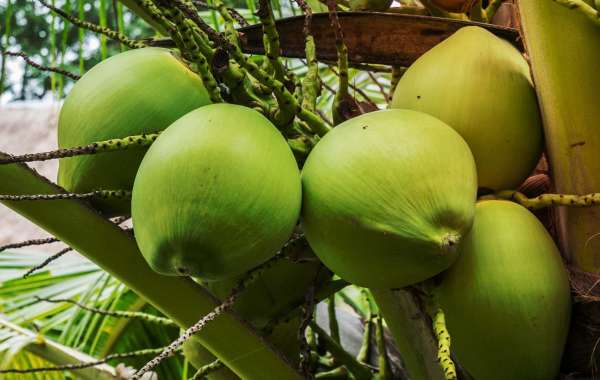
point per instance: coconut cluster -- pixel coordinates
(386, 200)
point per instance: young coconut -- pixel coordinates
(480, 85)
(506, 298)
(387, 197)
(217, 194)
(139, 91)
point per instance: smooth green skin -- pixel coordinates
(139, 91)
(386, 197)
(506, 298)
(480, 85)
(217, 194)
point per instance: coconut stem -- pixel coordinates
(93, 148)
(443, 338)
(411, 330)
(72, 367)
(342, 94)
(94, 28)
(546, 200)
(102, 194)
(32, 63)
(117, 314)
(270, 40)
(311, 84)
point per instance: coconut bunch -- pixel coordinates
(389, 200)
(385, 200)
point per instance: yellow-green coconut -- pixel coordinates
(135, 92)
(506, 298)
(480, 85)
(217, 194)
(387, 196)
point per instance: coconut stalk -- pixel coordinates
(412, 333)
(180, 298)
(563, 47)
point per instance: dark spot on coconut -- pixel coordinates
(578, 143)
(418, 96)
(365, 127)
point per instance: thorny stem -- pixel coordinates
(28, 243)
(234, 13)
(342, 56)
(48, 260)
(196, 50)
(32, 63)
(287, 103)
(583, 7)
(205, 370)
(270, 40)
(118, 314)
(158, 16)
(63, 251)
(94, 28)
(71, 367)
(443, 338)
(311, 84)
(546, 200)
(227, 304)
(102, 194)
(93, 148)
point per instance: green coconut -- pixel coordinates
(217, 194)
(387, 196)
(506, 298)
(139, 91)
(480, 85)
